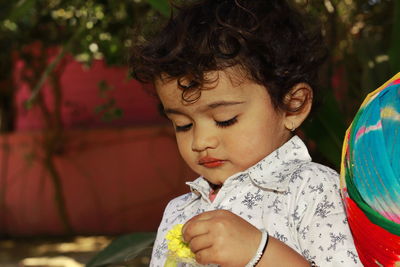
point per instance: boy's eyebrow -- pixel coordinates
(206, 108)
(223, 103)
(172, 111)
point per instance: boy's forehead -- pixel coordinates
(166, 88)
(219, 83)
(227, 88)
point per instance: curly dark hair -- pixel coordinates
(269, 39)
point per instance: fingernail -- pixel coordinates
(183, 232)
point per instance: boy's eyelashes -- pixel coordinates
(183, 128)
(226, 123)
(221, 124)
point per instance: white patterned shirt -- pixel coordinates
(297, 201)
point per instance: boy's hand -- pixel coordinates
(222, 238)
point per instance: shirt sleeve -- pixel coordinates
(160, 246)
(172, 215)
(321, 226)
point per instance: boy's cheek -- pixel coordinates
(185, 149)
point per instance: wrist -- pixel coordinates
(260, 250)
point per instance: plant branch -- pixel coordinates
(50, 68)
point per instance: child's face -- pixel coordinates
(230, 128)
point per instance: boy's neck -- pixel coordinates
(215, 187)
(214, 190)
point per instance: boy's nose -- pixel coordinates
(204, 139)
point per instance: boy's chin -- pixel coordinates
(217, 177)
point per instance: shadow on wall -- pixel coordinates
(105, 177)
(89, 97)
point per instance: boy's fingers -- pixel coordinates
(206, 256)
(200, 242)
(204, 216)
(200, 217)
(194, 228)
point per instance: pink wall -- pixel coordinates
(115, 181)
(117, 177)
(81, 96)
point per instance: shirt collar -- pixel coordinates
(274, 170)
(270, 173)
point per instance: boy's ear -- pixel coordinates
(298, 102)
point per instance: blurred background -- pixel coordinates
(85, 156)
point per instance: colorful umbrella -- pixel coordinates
(370, 176)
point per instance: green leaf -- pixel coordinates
(123, 249)
(21, 9)
(161, 5)
(112, 114)
(394, 51)
(104, 86)
(28, 104)
(327, 130)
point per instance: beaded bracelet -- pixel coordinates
(260, 251)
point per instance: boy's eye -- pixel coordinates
(183, 128)
(227, 123)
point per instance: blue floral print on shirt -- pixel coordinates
(296, 200)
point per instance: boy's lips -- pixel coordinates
(210, 162)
